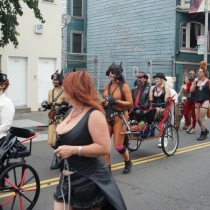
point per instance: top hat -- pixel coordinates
(141, 74)
(3, 77)
(160, 75)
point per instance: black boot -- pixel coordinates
(54, 164)
(206, 132)
(202, 136)
(127, 168)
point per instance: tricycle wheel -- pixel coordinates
(20, 187)
(132, 145)
(170, 140)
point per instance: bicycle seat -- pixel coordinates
(22, 132)
(24, 153)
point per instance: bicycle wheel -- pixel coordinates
(20, 187)
(170, 140)
(133, 145)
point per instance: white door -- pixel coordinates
(17, 75)
(47, 67)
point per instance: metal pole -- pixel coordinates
(206, 31)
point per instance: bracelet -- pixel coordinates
(79, 150)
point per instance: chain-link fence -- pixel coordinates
(97, 65)
(85, 62)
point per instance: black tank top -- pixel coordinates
(159, 99)
(78, 136)
(202, 92)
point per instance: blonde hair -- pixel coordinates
(163, 82)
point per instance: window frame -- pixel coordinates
(72, 6)
(187, 25)
(71, 41)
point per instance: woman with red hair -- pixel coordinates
(86, 181)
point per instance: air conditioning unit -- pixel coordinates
(38, 28)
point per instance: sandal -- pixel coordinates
(184, 127)
(192, 131)
(189, 129)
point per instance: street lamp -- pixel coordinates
(66, 19)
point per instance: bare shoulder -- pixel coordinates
(96, 115)
(126, 86)
(106, 86)
(96, 120)
(152, 87)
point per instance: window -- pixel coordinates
(77, 8)
(77, 42)
(189, 34)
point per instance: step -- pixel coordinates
(22, 110)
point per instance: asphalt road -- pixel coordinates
(157, 182)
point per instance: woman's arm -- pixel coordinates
(151, 93)
(181, 91)
(148, 80)
(99, 132)
(128, 103)
(192, 85)
(105, 89)
(7, 116)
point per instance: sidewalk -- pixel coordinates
(32, 120)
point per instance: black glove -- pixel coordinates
(111, 101)
(45, 105)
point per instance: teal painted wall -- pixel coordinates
(76, 25)
(184, 56)
(131, 31)
(180, 56)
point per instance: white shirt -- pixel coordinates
(7, 112)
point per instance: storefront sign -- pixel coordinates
(200, 49)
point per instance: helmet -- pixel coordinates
(115, 69)
(58, 76)
(3, 77)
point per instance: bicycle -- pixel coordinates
(161, 128)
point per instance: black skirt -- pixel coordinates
(84, 193)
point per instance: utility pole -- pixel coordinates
(206, 31)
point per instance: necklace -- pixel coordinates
(157, 91)
(201, 86)
(80, 111)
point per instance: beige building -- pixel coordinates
(29, 67)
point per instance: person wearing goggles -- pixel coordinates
(117, 98)
(53, 103)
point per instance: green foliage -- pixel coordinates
(9, 10)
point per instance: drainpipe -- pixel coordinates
(206, 31)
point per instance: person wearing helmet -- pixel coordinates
(117, 98)
(7, 109)
(7, 112)
(53, 103)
